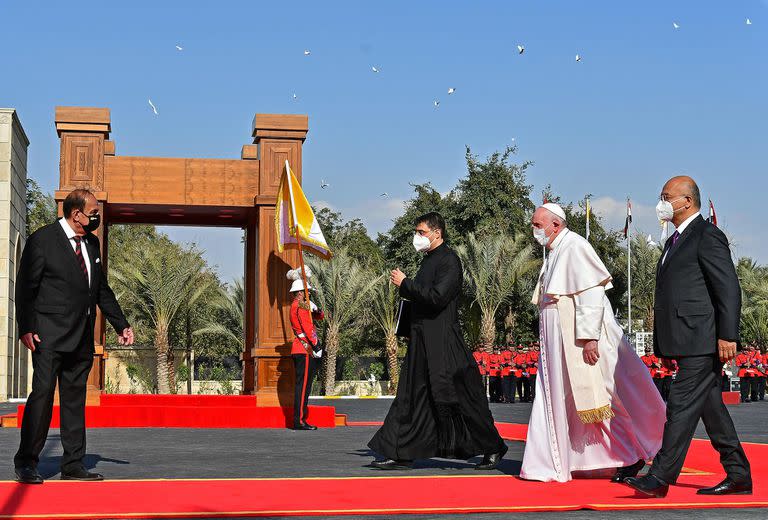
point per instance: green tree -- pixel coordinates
(493, 198)
(754, 308)
(41, 207)
(493, 265)
(645, 257)
(160, 282)
(351, 235)
(384, 307)
(343, 292)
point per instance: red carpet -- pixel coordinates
(191, 411)
(404, 493)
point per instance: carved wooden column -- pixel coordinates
(278, 137)
(84, 134)
(250, 152)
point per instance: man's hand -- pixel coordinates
(29, 339)
(726, 349)
(396, 277)
(126, 338)
(590, 352)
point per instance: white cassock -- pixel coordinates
(559, 443)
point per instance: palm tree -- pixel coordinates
(161, 282)
(645, 257)
(754, 315)
(492, 266)
(343, 291)
(384, 311)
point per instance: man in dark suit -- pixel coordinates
(696, 323)
(59, 284)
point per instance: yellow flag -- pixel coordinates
(293, 215)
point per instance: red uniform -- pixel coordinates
(304, 364)
(654, 365)
(494, 365)
(533, 362)
(480, 360)
(744, 362)
(521, 364)
(506, 363)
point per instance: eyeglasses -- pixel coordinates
(667, 198)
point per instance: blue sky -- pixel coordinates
(646, 102)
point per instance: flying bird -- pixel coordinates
(675, 25)
(749, 22)
(650, 241)
(179, 48)
(307, 52)
(295, 97)
(578, 57)
(385, 195)
(436, 103)
(451, 90)
(154, 108)
(520, 49)
(323, 184)
(374, 69)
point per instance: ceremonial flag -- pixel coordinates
(589, 210)
(294, 216)
(712, 215)
(628, 221)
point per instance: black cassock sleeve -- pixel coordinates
(439, 294)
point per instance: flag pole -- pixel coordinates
(289, 178)
(629, 274)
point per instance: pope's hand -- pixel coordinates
(396, 277)
(590, 352)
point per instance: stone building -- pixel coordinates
(15, 362)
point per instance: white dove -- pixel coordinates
(451, 90)
(295, 97)
(675, 25)
(179, 48)
(385, 195)
(154, 108)
(578, 57)
(374, 69)
(520, 49)
(749, 22)
(436, 103)
(323, 184)
(307, 52)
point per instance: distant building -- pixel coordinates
(15, 362)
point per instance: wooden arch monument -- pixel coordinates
(200, 192)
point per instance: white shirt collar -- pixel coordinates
(67, 228)
(686, 222)
(558, 239)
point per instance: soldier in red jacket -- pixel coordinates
(305, 350)
(533, 369)
(654, 367)
(667, 374)
(494, 375)
(746, 374)
(523, 381)
(508, 379)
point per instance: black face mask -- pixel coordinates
(94, 221)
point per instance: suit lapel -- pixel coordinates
(69, 252)
(680, 241)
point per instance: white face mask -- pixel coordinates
(540, 235)
(665, 211)
(421, 243)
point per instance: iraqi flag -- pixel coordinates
(628, 221)
(712, 215)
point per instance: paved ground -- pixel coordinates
(208, 453)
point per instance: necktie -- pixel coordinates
(79, 255)
(674, 237)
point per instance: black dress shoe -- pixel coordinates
(728, 487)
(309, 426)
(492, 461)
(81, 474)
(628, 471)
(304, 427)
(648, 485)
(390, 464)
(28, 475)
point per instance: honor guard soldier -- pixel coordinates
(306, 350)
(523, 383)
(533, 369)
(746, 374)
(494, 373)
(507, 377)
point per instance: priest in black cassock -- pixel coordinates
(440, 409)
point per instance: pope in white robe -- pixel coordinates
(596, 406)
